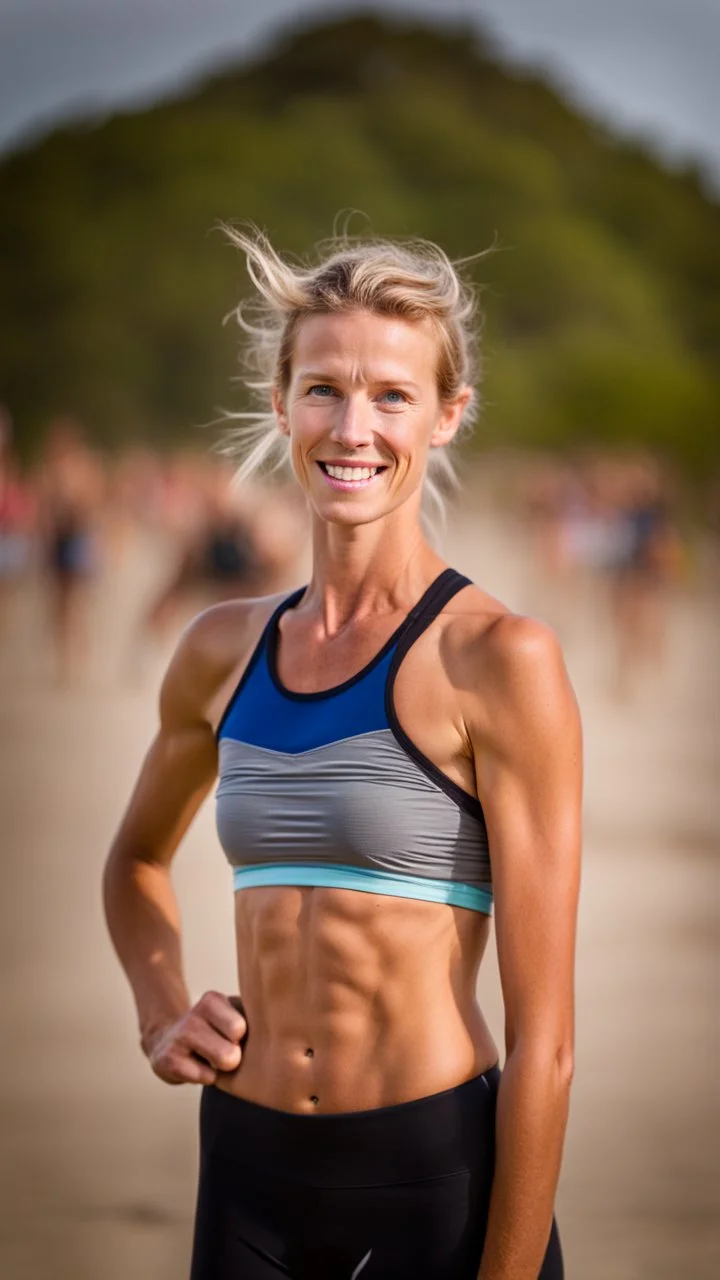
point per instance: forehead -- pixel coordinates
(380, 346)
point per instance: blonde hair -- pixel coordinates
(413, 280)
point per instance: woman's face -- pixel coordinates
(362, 412)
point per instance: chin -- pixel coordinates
(353, 515)
(335, 513)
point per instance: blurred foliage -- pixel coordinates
(602, 301)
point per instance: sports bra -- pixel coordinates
(327, 789)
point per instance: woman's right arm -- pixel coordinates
(184, 1044)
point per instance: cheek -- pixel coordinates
(409, 439)
(306, 426)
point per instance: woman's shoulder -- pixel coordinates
(507, 655)
(487, 625)
(213, 646)
(215, 634)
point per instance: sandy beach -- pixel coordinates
(99, 1158)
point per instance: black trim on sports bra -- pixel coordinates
(448, 585)
(273, 631)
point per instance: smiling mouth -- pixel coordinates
(351, 474)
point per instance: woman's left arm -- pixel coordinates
(526, 741)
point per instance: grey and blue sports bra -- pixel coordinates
(327, 788)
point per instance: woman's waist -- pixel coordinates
(441, 1134)
(308, 1061)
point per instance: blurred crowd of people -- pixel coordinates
(71, 519)
(600, 529)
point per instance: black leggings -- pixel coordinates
(396, 1193)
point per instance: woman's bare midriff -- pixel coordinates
(356, 1000)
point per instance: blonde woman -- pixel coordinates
(396, 752)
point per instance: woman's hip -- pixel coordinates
(394, 1193)
(445, 1133)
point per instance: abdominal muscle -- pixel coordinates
(355, 1000)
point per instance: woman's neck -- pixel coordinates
(367, 569)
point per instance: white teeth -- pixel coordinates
(350, 473)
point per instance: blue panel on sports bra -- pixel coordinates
(280, 721)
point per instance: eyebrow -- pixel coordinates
(312, 375)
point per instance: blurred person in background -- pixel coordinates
(603, 535)
(133, 499)
(555, 504)
(71, 487)
(17, 517)
(226, 545)
(395, 751)
(649, 559)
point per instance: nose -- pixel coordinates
(353, 426)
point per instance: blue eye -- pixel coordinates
(400, 397)
(320, 389)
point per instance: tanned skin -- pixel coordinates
(351, 1000)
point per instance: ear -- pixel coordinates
(450, 417)
(278, 405)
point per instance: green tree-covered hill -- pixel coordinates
(602, 302)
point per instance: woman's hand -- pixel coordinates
(204, 1042)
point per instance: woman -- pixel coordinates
(395, 749)
(71, 488)
(17, 518)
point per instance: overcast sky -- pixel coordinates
(649, 65)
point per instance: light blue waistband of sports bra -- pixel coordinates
(320, 875)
